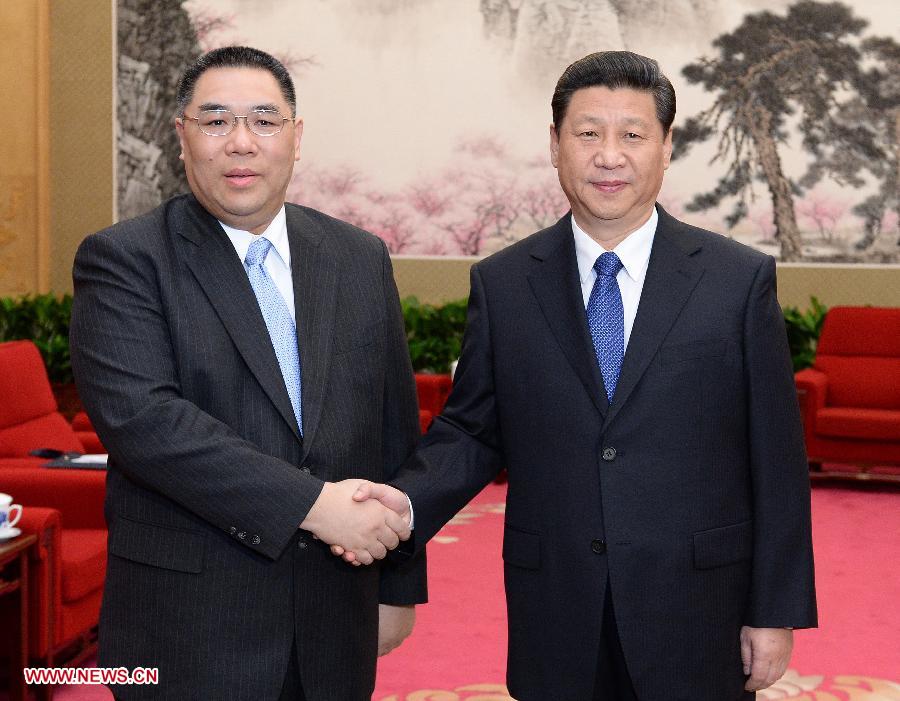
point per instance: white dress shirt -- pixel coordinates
(278, 262)
(278, 265)
(633, 251)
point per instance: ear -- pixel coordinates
(179, 129)
(667, 149)
(554, 146)
(298, 133)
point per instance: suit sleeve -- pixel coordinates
(127, 377)
(461, 453)
(782, 591)
(402, 582)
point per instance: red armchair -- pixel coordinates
(851, 396)
(432, 391)
(84, 429)
(28, 412)
(68, 565)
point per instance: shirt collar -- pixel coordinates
(276, 232)
(633, 250)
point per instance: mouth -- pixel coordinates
(241, 177)
(609, 186)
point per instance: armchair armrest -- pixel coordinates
(81, 422)
(43, 522)
(77, 494)
(45, 585)
(90, 441)
(812, 386)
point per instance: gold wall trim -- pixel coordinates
(436, 280)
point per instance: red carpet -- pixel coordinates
(459, 646)
(458, 650)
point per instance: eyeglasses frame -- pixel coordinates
(235, 121)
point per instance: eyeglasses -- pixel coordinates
(222, 122)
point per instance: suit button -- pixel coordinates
(302, 545)
(609, 454)
(232, 530)
(598, 546)
(255, 540)
(305, 470)
(242, 535)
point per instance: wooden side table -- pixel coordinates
(14, 608)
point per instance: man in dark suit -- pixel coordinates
(240, 359)
(632, 374)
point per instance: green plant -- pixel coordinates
(43, 319)
(803, 329)
(434, 333)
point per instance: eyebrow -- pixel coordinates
(270, 106)
(637, 121)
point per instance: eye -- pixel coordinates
(214, 119)
(632, 136)
(588, 134)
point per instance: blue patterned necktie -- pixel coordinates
(606, 319)
(279, 322)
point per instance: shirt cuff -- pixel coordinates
(412, 515)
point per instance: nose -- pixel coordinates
(609, 153)
(240, 138)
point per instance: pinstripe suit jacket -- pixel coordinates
(689, 494)
(209, 578)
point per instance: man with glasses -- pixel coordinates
(241, 358)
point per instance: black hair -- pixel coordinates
(235, 57)
(615, 69)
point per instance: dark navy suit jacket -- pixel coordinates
(689, 495)
(209, 578)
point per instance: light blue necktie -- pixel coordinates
(606, 319)
(279, 322)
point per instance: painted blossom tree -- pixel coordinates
(824, 212)
(869, 144)
(771, 69)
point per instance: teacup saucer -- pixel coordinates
(11, 532)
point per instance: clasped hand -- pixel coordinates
(364, 528)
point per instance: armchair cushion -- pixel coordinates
(78, 617)
(81, 422)
(867, 424)
(77, 494)
(49, 431)
(861, 381)
(90, 441)
(861, 331)
(24, 380)
(84, 429)
(83, 562)
(28, 413)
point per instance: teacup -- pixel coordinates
(7, 520)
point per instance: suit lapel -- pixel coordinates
(221, 274)
(315, 275)
(556, 285)
(671, 277)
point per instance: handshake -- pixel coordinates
(360, 520)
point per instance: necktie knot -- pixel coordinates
(257, 252)
(608, 264)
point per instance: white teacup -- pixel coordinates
(6, 509)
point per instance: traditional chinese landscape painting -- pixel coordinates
(426, 121)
